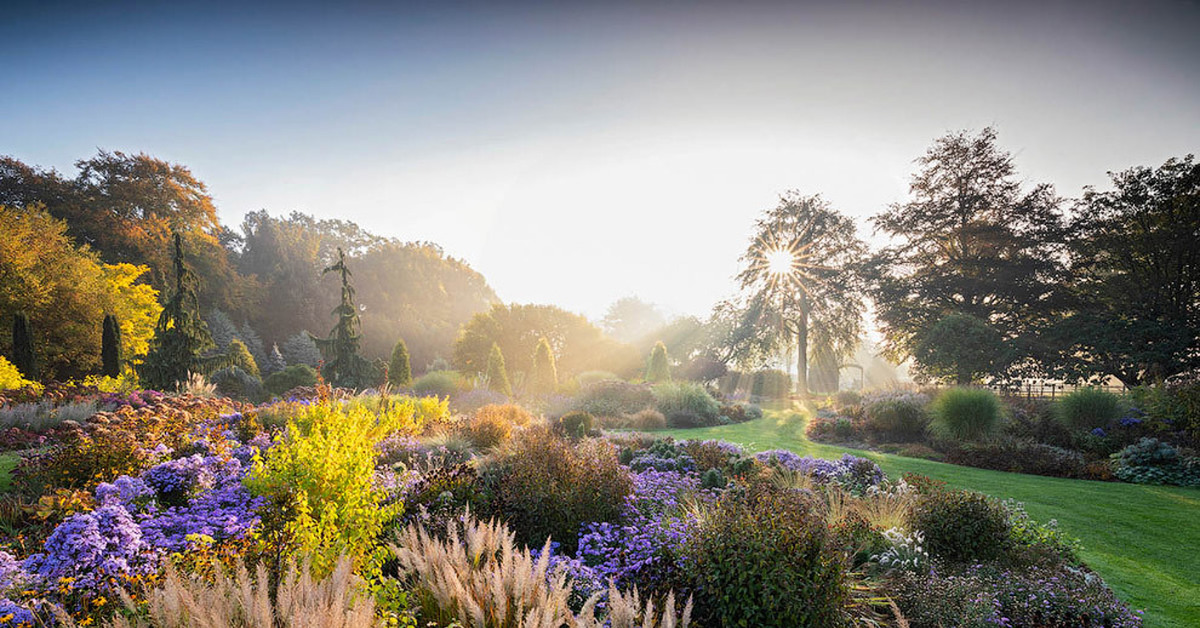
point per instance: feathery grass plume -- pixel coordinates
(480, 578)
(243, 600)
(196, 385)
(626, 610)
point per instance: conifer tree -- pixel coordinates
(237, 354)
(399, 369)
(497, 374)
(343, 365)
(544, 378)
(24, 357)
(657, 368)
(110, 347)
(180, 337)
(275, 362)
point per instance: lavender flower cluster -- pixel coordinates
(853, 472)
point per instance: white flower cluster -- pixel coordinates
(907, 552)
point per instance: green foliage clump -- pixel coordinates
(237, 355)
(966, 414)
(766, 559)
(1151, 461)
(543, 378)
(576, 425)
(537, 486)
(110, 347)
(658, 367)
(686, 404)
(963, 526)
(294, 376)
(399, 369)
(614, 398)
(770, 384)
(319, 481)
(236, 383)
(10, 376)
(899, 416)
(1088, 408)
(497, 374)
(437, 383)
(960, 349)
(301, 349)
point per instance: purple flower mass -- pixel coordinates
(90, 547)
(850, 471)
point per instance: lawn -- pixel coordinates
(1144, 540)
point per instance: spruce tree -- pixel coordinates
(275, 362)
(544, 378)
(343, 366)
(657, 368)
(399, 369)
(180, 337)
(110, 347)
(22, 339)
(497, 375)
(237, 354)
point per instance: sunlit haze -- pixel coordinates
(578, 155)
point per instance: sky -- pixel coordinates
(578, 153)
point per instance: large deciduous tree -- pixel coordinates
(1135, 255)
(801, 270)
(968, 241)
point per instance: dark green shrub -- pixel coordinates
(965, 414)
(1151, 461)
(686, 404)
(539, 486)
(962, 526)
(1088, 408)
(899, 417)
(439, 383)
(238, 384)
(766, 559)
(294, 376)
(1019, 456)
(614, 397)
(575, 425)
(110, 347)
(399, 368)
(712, 479)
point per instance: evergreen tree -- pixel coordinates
(275, 362)
(544, 378)
(221, 328)
(110, 347)
(399, 370)
(497, 375)
(237, 354)
(658, 369)
(300, 349)
(22, 339)
(253, 343)
(180, 337)
(343, 365)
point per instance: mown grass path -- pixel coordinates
(1143, 540)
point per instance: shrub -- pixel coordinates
(770, 384)
(846, 399)
(1088, 408)
(543, 378)
(1019, 456)
(238, 355)
(399, 369)
(486, 430)
(613, 397)
(686, 404)
(587, 378)
(496, 373)
(537, 486)
(764, 560)
(238, 384)
(437, 383)
(648, 420)
(966, 414)
(658, 369)
(741, 412)
(294, 376)
(1151, 461)
(962, 526)
(899, 416)
(10, 376)
(576, 425)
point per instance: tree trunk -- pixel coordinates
(802, 348)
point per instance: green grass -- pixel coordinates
(8, 462)
(1143, 540)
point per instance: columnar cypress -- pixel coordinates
(544, 378)
(497, 374)
(22, 339)
(180, 337)
(658, 369)
(110, 347)
(399, 369)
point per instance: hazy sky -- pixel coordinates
(577, 154)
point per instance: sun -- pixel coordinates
(780, 261)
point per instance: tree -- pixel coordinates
(658, 369)
(497, 374)
(300, 349)
(110, 347)
(969, 241)
(24, 356)
(134, 304)
(343, 365)
(238, 355)
(961, 349)
(221, 328)
(1135, 312)
(543, 379)
(631, 319)
(801, 268)
(275, 362)
(181, 337)
(399, 368)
